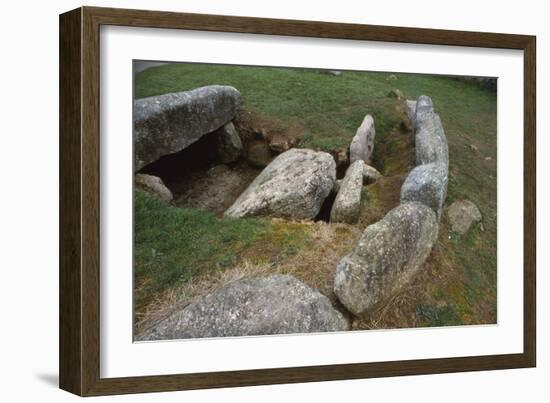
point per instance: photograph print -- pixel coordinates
(274, 200)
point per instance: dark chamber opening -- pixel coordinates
(326, 207)
(172, 168)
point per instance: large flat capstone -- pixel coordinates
(276, 304)
(386, 257)
(294, 185)
(168, 123)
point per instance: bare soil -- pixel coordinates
(215, 189)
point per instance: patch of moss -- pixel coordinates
(290, 237)
(444, 315)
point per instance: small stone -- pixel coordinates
(395, 93)
(424, 108)
(391, 77)
(341, 158)
(154, 186)
(462, 214)
(370, 174)
(279, 144)
(229, 143)
(259, 154)
(335, 73)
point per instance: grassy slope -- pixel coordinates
(173, 245)
(329, 108)
(460, 284)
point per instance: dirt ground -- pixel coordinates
(215, 189)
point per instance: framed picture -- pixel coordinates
(249, 201)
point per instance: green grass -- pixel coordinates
(172, 245)
(329, 109)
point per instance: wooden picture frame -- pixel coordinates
(79, 201)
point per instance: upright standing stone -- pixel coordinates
(347, 204)
(431, 142)
(362, 144)
(424, 108)
(426, 184)
(389, 253)
(229, 143)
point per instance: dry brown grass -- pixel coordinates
(400, 311)
(313, 265)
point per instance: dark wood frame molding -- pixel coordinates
(79, 200)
